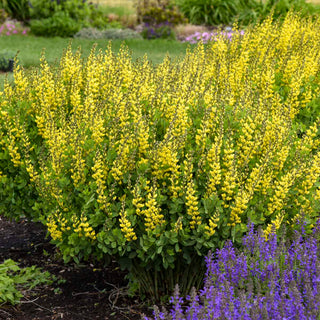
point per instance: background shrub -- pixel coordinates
(217, 12)
(92, 33)
(120, 34)
(158, 18)
(60, 24)
(64, 18)
(89, 33)
(210, 12)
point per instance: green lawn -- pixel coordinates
(30, 48)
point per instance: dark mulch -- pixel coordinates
(89, 292)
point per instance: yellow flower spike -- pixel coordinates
(213, 159)
(190, 195)
(230, 174)
(274, 225)
(213, 223)
(52, 226)
(152, 212)
(281, 190)
(99, 175)
(126, 226)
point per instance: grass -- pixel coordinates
(30, 48)
(116, 3)
(119, 9)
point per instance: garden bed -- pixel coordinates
(87, 293)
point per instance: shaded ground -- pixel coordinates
(85, 293)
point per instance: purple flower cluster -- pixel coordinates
(205, 37)
(161, 30)
(266, 280)
(10, 28)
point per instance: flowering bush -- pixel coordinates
(268, 280)
(158, 164)
(12, 27)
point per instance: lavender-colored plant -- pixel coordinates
(273, 279)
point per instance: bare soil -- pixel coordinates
(87, 292)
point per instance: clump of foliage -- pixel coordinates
(16, 281)
(158, 17)
(155, 165)
(209, 12)
(60, 24)
(281, 7)
(226, 12)
(89, 33)
(17, 9)
(7, 60)
(64, 17)
(273, 279)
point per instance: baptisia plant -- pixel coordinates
(155, 165)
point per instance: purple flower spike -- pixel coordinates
(267, 280)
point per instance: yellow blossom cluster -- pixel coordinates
(82, 227)
(53, 227)
(126, 227)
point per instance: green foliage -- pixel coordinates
(64, 18)
(98, 19)
(77, 9)
(281, 7)
(6, 60)
(209, 12)
(17, 9)
(60, 25)
(217, 12)
(14, 279)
